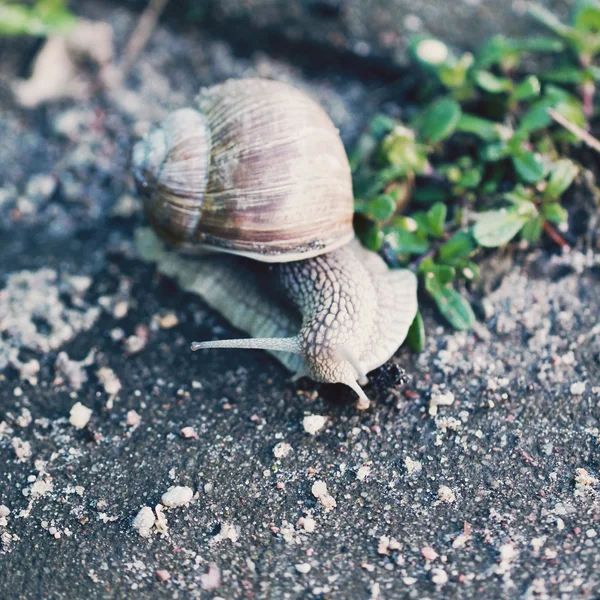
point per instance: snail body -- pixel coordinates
(258, 175)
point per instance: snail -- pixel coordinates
(255, 181)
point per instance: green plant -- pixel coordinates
(41, 18)
(482, 161)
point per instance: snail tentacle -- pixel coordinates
(291, 344)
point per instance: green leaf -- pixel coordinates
(438, 120)
(416, 334)
(401, 150)
(42, 19)
(492, 84)
(459, 246)
(529, 88)
(373, 238)
(536, 117)
(561, 178)
(497, 227)
(587, 18)
(485, 129)
(532, 230)
(498, 50)
(567, 74)
(380, 125)
(471, 179)
(450, 303)
(406, 242)
(494, 152)
(539, 44)
(530, 166)
(547, 18)
(429, 194)
(381, 207)
(554, 212)
(436, 218)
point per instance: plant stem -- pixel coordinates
(582, 134)
(554, 235)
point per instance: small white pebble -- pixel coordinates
(313, 423)
(439, 576)
(436, 400)
(109, 380)
(80, 415)
(144, 521)
(4, 510)
(303, 568)
(409, 580)
(309, 524)
(281, 450)
(169, 320)
(578, 388)
(133, 419)
(163, 575)
(445, 494)
(363, 473)
(189, 433)
(177, 495)
(412, 466)
(319, 491)
(429, 553)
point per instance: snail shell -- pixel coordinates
(257, 168)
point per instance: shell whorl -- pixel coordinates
(171, 170)
(273, 181)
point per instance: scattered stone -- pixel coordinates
(436, 400)
(445, 494)
(508, 553)
(24, 419)
(303, 568)
(429, 553)
(34, 314)
(412, 466)
(133, 419)
(74, 370)
(109, 380)
(313, 423)
(177, 495)
(387, 545)
(189, 433)
(319, 491)
(308, 524)
(168, 321)
(439, 576)
(162, 575)
(144, 521)
(80, 415)
(211, 580)
(577, 388)
(281, 450)
(22, 449)
(125, 206)
(4, 510)
(161, 520)
(363, 473)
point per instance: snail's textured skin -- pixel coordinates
(354, 310)
(255, 168)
